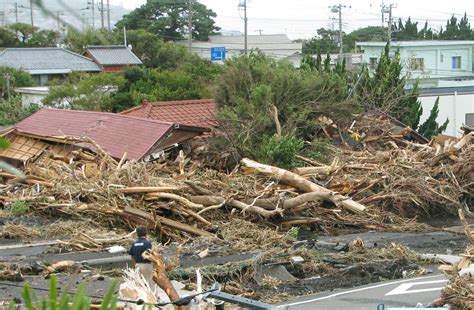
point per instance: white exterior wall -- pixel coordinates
(437, 61)
(29, 99)
(453, 106)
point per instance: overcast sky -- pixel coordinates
(301, 18)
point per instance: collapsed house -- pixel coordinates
(121, 136)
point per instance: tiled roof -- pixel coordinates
(201, 113)
(48, 60)
(115, 133)
(113, 55)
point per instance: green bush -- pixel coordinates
(12, 111)
(19, 207)
(293, 233)
(281, 151)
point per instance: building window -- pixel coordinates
(470, 119)
(372, 62)
(417, 64)
(456, 62)
(441, 58)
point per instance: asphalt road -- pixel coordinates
(393, 294)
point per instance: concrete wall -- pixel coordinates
(452, 106)
(29, 99)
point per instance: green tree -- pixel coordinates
(430, 127)
(169, 19)
(385, 90)
(327, 63)
(11, 78)
(251, 86)
(43, 38)
(323, 42)
(78, 41)
(81, 91)
(8, 38)
(25, 31)
(12, 110)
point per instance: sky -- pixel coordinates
(301, 18)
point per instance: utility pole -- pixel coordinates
(108, 15)
(92, 6)
(190, 24)
(101, 14)
(338, 9)
(259, 31)
(383, 13)
(93, 14)
(388, 9)
(16, 12)
(58, 13)
(31, 15)
(243, 4)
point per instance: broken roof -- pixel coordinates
(107, 55)
(115, 133)
(201, 113)
(46, 60)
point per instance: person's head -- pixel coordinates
(141, 231)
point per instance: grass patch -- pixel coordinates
(18, 207)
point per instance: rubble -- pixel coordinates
(383, 179)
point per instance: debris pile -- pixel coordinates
(376, 189)
(459, 292)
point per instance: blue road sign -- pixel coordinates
(217, 53)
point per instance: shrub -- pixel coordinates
(19, 207)
(281, 151)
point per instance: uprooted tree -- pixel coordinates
(385, 90)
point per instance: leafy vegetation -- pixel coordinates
(78, 301)
(19, 207)
(12, 111)
(251, 86)
(455, 29)
(384, 90)
(169, 19)
(83, 91)
(11, 78)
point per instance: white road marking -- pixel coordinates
(359, 290)
(405, 288)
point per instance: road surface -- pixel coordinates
(393, 294)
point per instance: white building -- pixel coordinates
(433, 63)
(276, 46)
(455, 103)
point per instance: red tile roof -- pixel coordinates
(115, 133)
(201, 113)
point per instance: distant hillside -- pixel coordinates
(71, 12)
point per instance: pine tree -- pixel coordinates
(318, 60)
(327, 63)
(430, 127)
